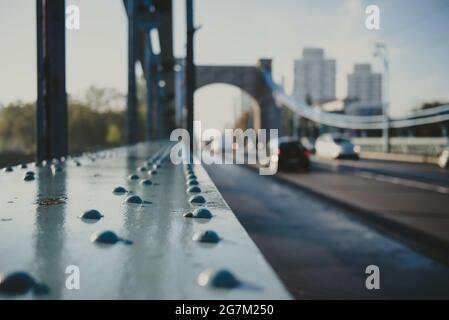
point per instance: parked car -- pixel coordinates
(292, 155)
(443, 159)
(336, 146)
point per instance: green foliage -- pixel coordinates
(114, 135)
(17, 127)
(99, 121)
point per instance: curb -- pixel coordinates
(399, 157)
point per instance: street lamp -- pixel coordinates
(381, 52)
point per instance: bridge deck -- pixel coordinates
(41, 232)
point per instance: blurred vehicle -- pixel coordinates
(292, 155)
(336, 146)
(443, 159)
(308, 143)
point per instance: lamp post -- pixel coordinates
(382, 53)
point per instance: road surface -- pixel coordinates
(321, 250)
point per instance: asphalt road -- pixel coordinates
(421, 172)
(321, 250)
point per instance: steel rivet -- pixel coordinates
(8, 169)
(146, 182)
(197, 199)
(106, 237)
(200, 213)
(19, 283)
(23, 166)
(133, 177)
(142, 169)
(92, 215)
(119, 190)
(194, 189)
(192, 182)
(218, 279)
(134, 200)
(207, 236)
(29, 177)
(57, 168)
(153, 172)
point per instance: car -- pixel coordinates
(443, 159)
(336, 146)
(291, 154)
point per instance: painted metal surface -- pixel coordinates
(160, 257)
(51, 111)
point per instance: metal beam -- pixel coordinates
(131, 119)
(149, 79)
(51, 106)
(164, 9)
(190, 71)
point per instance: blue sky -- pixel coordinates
(240, 32)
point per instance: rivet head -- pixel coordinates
(19, 283)
(146, 182)
(92, 215)
(207, 236)
(133, 177)
(119, 191)
(197, 199)
(8, 169)
(192, 182)
(191, 177)
(156, 166)
(153, 172)
(57, 168)
(223, 279)
(142, 169)
(200, 213)
(29, 177)
(194, 189)
(105, 237)
(134, 200)
(23, 166)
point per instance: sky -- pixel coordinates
(240, 32)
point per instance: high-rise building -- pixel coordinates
(364, 91)
(314, 77)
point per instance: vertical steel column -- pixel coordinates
(40, 125)
(190, 71)
(131, 115)
(51, 106)
(149, 76)
(161, 106)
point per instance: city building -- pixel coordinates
(364, 91)
(314, 80)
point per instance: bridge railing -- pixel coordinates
(434, 115)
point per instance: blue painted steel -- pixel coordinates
(151, 252)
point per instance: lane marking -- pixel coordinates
(403, 182)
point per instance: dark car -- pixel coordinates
(292, 155)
